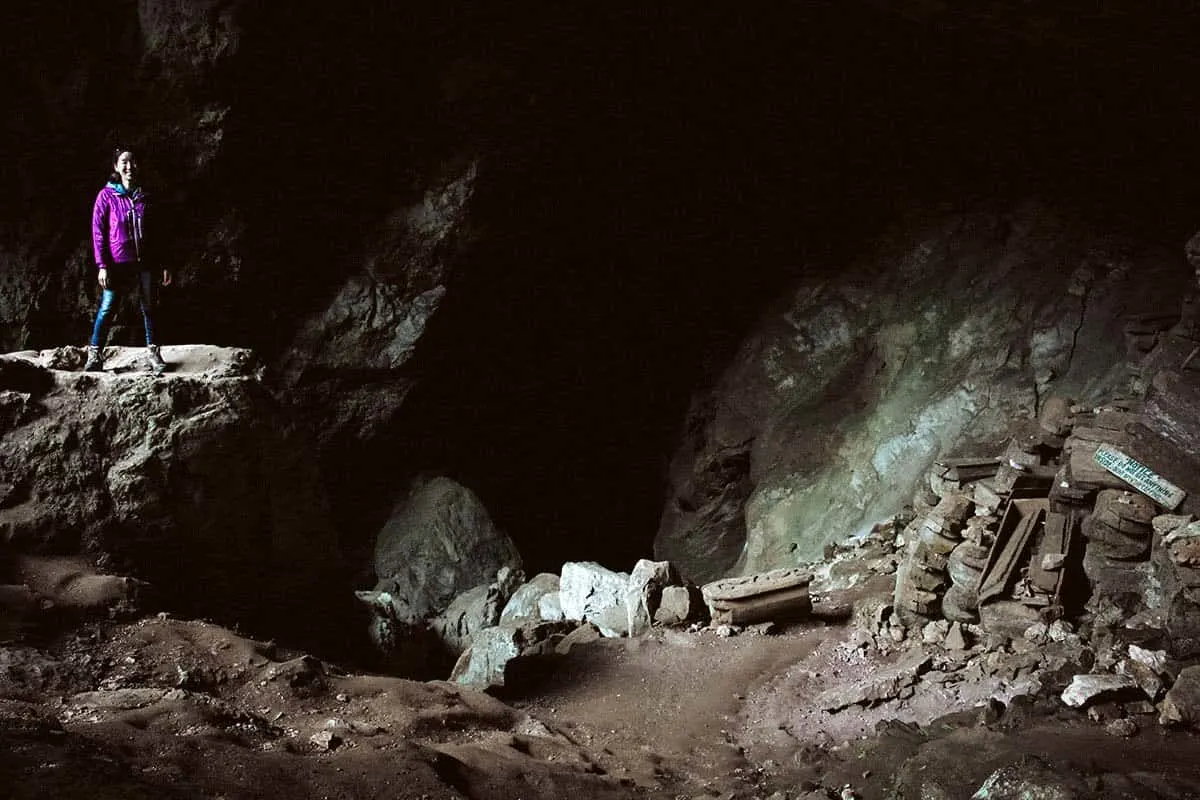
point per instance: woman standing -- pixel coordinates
(119, 248)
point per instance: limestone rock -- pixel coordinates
(439, 543)
(197, 467)
(483, 664)
(588, 590)
(1086, 688)
(1154, 660)
(1181, 706)
(935, 632)
(1030, 778)
(1123, 727)
(614, 621)
(955, 640)
(581, 635)
(679, 605)
(550, 607)
(326, 740)
(526, 602)
(1165, 524)
(885, 684)
(1182, 544)
(118, 699)
(644, 592)
(71, 583)
(476, 609)
(1143, 674)
(373, 321)
(972, 281)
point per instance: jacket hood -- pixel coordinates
(120, 189)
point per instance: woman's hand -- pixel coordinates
(102, 277)
(166, 277)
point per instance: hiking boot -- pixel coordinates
(95, 361)
(157, 365)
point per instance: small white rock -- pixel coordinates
(1084, 688)
(1154, 659)
(1038, 633)
(326, 740)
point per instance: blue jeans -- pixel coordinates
(122, 278)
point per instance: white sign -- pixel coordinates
(1140, 477)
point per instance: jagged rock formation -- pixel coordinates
(345, 367)
(195, 483)
(853, 385)
(439, 543)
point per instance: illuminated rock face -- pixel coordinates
(932, 346)
(194, 483)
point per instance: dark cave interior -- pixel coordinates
(650, 179)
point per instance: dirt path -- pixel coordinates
(666, 707)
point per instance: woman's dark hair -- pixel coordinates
(116, 153)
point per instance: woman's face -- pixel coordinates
(125, 166)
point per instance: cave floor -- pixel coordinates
(163, 707)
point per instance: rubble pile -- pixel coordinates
(1064, 559)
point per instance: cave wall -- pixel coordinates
(951, 330)
(509, 244)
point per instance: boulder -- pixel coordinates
(1181, 706)
(1030, 778)
(526, 601)
(614, 621)
(476, 609)
(70, 584)
(643, 593)
(1146, 676)
(589, 591)
(483, 664)
(550, 607)
(678, 605)
(1086, 688)
(438, 543)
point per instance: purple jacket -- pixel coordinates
(117, 225)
